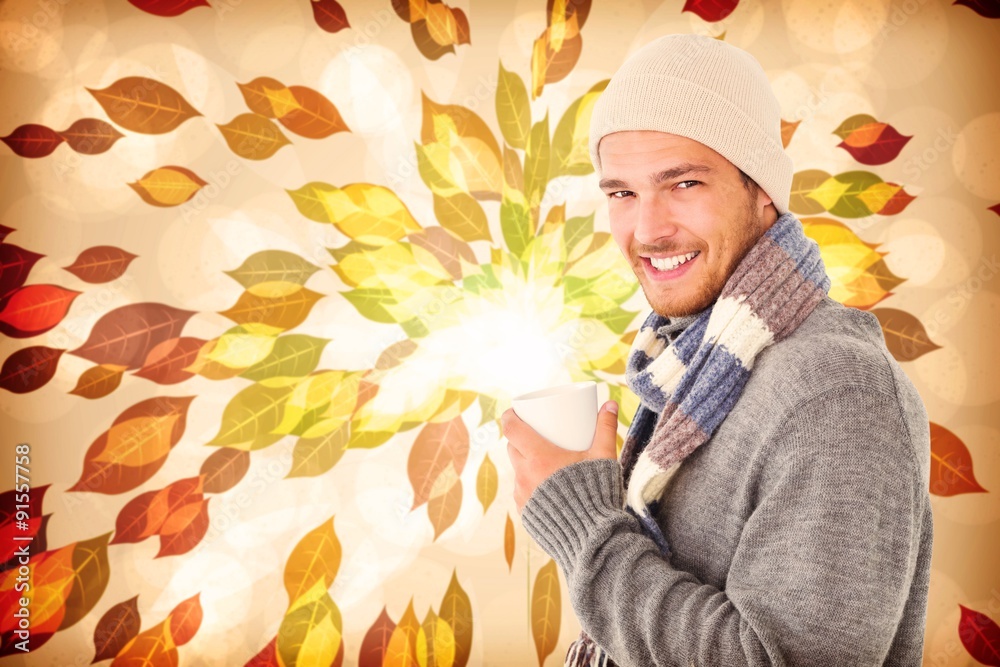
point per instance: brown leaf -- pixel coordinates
(253, 136)
(951, 464)
(425, 42)
(224, 469)
(134, 522)
(98, 381)
(456, 611)
(394, 355)
(486, 483)
(546, 610)
(15, 265)
(100, 264)
(117, 626)
(144, 105)
(375, 645)
(90, 574)
(787, 130)
(165, 363)
(508, 543)
(33, 140)
(437, 446)
(445, 247)
(329, 15)
(29, 368)
(126, 335)
(91, 136)
(313, 116)
(904, 334)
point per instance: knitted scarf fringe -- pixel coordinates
(687, 388)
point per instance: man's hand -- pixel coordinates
(534, 458)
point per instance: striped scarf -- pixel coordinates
(687, 388)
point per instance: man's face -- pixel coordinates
(669, 197)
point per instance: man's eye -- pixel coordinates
(612, 195)
(683, 182)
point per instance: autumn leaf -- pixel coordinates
(985, 8)
(144, 105)
(951, 464)
(283, 312)
(116, 627)
(250, 416)
(445, 501)
(316, 558)
(100, 264)
(310, 114)
(126, 335)
(486, 483)
(168, 186)
(546, 610)
(979, 633)
(168, 7)
(508, 543)
(787, 131)
(32, 140)
(253, 136)
(402, 648)
(29, 368)
(224, 469)
(869, 141)
(135, 447)
(570, 141)
(437, 446)
(98, 381)
(375, 645)
(367, 213)
(91, 136)
(456, 611)
(272, 266)
(15, 265)
(165, 363)
(329, 15)
(710, 10)
(34, 309)
(512, 108)
(904, 334)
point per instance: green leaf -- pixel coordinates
(253, 412)
(513, 109)
(294, 355)
(536, 163)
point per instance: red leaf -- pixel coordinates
(711, 10)
(91, 136)
(268, 656)
(376, 641)
(33, 140)
(995, 208)
(29, 369)
(185, 620)
(117, 626)
(5, 230)
(896, 203)
(183, 530)
(15, 265)
(329, 15)
(168, 7)
(132, 523)
(126, 335)
(884, 149)
(166, 362)
(100, 264)
(951, 464)
(34, 309)
(980, 636)
(986, 8)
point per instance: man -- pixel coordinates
(770, 506)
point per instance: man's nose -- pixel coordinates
(655, 221)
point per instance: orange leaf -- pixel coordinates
(144, 105)
(951, 464)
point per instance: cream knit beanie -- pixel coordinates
(704, 89)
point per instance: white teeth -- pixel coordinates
(669, 263)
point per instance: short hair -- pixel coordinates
(748, 183)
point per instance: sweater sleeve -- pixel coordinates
(821, 572)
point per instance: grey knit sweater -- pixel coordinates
(800, 532)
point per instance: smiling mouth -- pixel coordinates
(671, 263)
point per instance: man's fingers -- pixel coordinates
(606, 436)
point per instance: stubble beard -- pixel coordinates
(709, 289)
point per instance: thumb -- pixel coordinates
(605, 439)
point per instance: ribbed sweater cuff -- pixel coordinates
(565, 511)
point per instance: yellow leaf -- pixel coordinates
(168, 186)
(546, 610)
(370, 214)
(828, 192)
(238, 349)
(487, 482)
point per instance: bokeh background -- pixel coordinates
(271, 270)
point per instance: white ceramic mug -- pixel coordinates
(566, 415)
